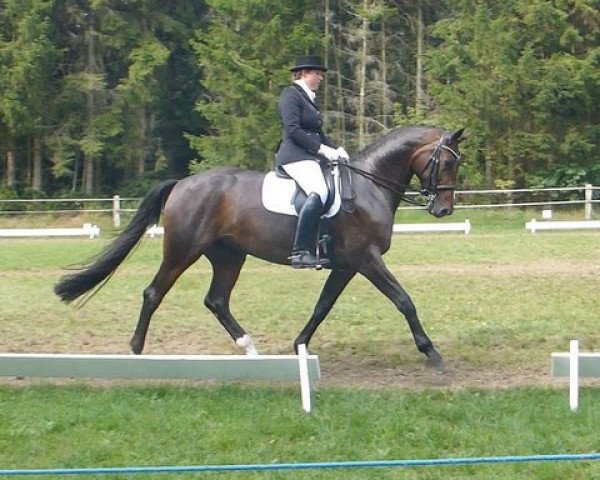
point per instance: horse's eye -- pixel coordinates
(449, 164)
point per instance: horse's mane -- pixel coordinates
(397, 142)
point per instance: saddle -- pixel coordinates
(281, 194)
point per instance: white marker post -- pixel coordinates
(304, 380)
(574, 375)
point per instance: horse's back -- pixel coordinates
(221, 175)
(225, 203)
(212, 186)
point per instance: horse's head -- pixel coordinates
(436, 165)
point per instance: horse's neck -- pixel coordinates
(395, 172)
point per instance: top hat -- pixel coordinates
(309, 62)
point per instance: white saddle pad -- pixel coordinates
(277, 194)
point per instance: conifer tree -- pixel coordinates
(244, 56)
(27, 65)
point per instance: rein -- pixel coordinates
(388, 184)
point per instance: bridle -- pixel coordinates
(433, 187)
(433, 164)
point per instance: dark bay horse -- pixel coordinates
(219, 214)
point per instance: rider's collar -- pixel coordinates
(306, 89)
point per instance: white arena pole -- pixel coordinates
(304, 380)
(574, 375)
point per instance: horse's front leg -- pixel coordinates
(334, 286)
(376, 272)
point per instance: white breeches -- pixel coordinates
(309, 176)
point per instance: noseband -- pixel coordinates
(433, 164)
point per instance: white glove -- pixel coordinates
(343, 153)
(328, 152)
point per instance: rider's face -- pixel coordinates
(312, 78)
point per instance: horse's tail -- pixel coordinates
(104, 265)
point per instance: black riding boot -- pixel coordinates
(306, 235)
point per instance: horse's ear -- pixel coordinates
(459, 135)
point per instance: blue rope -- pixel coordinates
(302, 466)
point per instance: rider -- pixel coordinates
(303, 142)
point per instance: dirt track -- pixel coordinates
(341, 368)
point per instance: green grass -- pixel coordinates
(74, 426)
(496, 302)
(485, 299)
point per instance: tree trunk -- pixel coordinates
(88, 163)
(326, 55)
(384, 106)
(142, 150)
(11, 168)
(88, 174)
(75, 179)
(142, 110)
(341, 122)
(362, 80)
(419, 78)
(89, 159)
(488, 171)
(36, 182)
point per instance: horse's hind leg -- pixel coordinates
(227, 264)
(334, 286)
(170, 270)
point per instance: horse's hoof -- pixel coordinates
(435, 361)
(247, 344)
(135, 348)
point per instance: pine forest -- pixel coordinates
(110, 96)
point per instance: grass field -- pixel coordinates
(496, 302)
(76, 426)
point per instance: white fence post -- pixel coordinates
(574, 375)
(117, 211)
(588, 201)
(304, 378)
